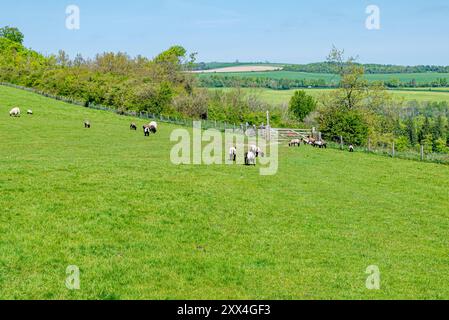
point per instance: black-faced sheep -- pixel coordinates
(86, 124)
(320, 144)
(256, 150)
(250, 158)
(133, 126)
(295, 143)
(233, 154)
(153, 127)
(15, 112)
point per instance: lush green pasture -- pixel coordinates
(284, 96)
(109, 201)
(332, 78)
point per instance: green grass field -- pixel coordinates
(277, 97)
(332, 78)
(109, 201)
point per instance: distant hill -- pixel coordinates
(326, 67)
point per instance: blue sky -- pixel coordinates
(295, 31)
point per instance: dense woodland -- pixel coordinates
(358, 110)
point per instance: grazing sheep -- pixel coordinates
(295, 143)
(233, 154)
(312, 141)
(133, 126)
(320, 144)
(153, 127)
(256, 150)
(146, 131)
(30, 112)
(351, 148)
(86, 124)
(250, 158)
(15, 112)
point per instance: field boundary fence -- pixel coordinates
(390, 149)
(284, 134)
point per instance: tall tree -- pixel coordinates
(12, 34)
(301, 105)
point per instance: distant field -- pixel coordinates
(283, 96)
(243, 69)
(332, 78)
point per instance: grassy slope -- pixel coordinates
(110, 201)
(284, 96)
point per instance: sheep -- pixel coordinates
(86, 124)
(295, 142)
(146, 131)
(351, 148)
(133, 126)
(15, 112)
(320, 144)
(256, 150)
(153, 127)
(233, 154)
(30, 112)
(250, 158)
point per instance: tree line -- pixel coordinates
(160, 85)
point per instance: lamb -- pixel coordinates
(15, 112)
(86, 124)
(256, 150)
(133, 126)
(146, 131)
(30, 112)
(250, 158)
(233, 154)
(351, 148)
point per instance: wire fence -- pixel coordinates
(390, 150)
(248, 130)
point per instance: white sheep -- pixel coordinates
(295, 142)
(233, 153)
(15, 112)
(153, 127)
(250, 158)
(30, 112)
(256, 150)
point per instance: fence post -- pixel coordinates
(394, 149)
(369, 144)
(422, 152)
(341, 143)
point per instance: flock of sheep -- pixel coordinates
(147, 129)
(317, 143)
(15, 112)
(250, 157)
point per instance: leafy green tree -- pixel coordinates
(411, 132)
(12, 34)
(301, 105)
(426, 131)
(440, 146)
